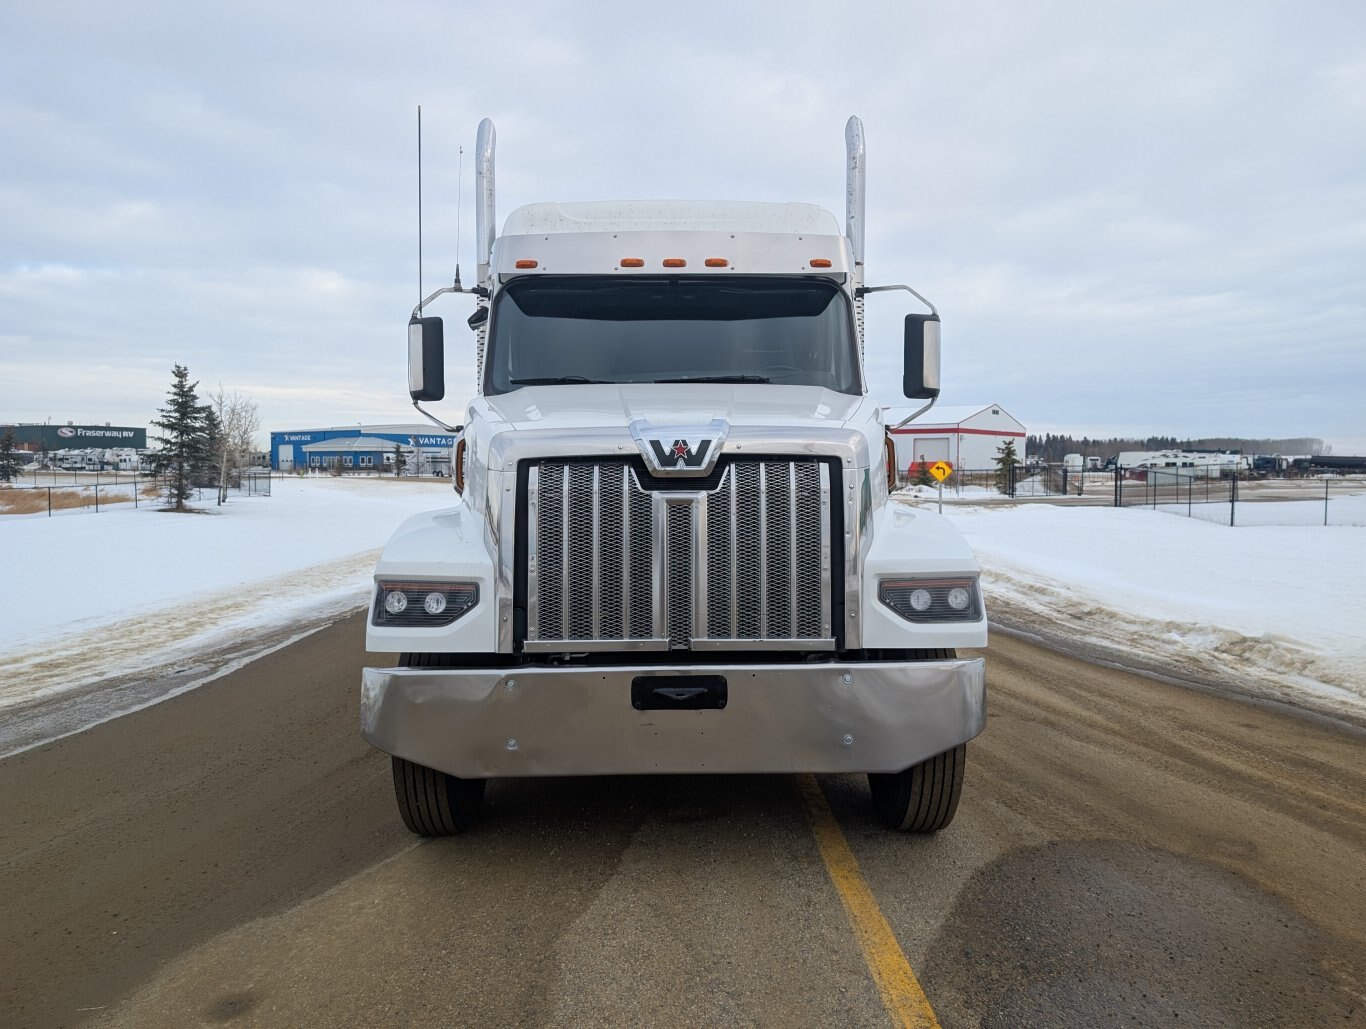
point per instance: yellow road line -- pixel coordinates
(901, 994)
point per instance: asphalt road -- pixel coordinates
(1126, 852)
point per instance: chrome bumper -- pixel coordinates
(534, 721)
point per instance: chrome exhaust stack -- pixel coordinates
(484, 228)
(854, 190)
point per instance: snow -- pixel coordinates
(1272, 609)
(95, 601)
(92, 597)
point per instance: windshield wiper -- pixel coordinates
(558, 380)
(717, 378)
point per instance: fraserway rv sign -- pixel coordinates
(80, 437)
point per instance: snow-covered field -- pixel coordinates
(108, 598)
(1273, 609)
(98, 597)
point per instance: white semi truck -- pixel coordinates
(672, 549)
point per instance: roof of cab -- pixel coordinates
(670, 216)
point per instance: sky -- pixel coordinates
(1134, 218)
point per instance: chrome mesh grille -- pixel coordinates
(741, 560)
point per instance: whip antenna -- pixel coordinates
(459, 188)
(419, 207)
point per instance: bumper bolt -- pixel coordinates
(848, 740)
(511, 744)
(846, 678)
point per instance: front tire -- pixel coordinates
(433, 803)
(924, 797)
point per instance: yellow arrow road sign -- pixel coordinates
(941, 470)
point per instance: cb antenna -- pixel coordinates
(459, 188)
(419, 207)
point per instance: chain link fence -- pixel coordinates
(1225, 496)
(1239, 498)
(54, 492)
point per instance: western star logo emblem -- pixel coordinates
(680, 453)
(680, 448)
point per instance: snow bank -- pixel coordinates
(95, 596)
(1277, 610)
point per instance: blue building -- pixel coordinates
(361, 448)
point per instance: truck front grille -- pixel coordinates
(742, 558)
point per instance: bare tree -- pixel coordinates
(239, 422)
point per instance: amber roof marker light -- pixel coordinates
(633, 262)
(819, 262)
(716, 262)
(526, 262)
(675, 262)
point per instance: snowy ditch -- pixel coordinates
(105, 614)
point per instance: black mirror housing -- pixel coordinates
(426, 359)
(920, 379)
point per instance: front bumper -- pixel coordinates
(541, 721)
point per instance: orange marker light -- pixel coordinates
(716, 262)
(526, 263)
(632, 262)
(675, 262)
(819, 262)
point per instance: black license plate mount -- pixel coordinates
(678, 692)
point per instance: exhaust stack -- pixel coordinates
(854, 188)
(484, 228)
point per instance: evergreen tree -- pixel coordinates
(184, 448)
(400, 462)
(1006, 462)
(922, 473)
(9, 458)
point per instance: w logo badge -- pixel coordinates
(693, 450)
(689, 456)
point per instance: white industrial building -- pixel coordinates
(967, 437)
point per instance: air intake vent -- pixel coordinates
(742, 560)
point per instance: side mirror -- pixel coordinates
(426, 359)
(920, 380)
(480, 316)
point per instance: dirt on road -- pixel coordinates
(1126, 850)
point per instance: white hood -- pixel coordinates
(616, 406)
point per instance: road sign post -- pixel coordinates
(941, 470)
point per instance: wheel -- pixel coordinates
(433, 803)
(924, 797)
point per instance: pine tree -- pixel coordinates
(9, 459)
(1006, 462)
(922, 473)
(185, 446)
(400, 462)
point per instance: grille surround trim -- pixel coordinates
(751, 567)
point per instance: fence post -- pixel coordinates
(1190, 486)
(1232, 499)
(97, 496)
(49, 501)
(1325, 500)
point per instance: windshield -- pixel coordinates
(551, 329)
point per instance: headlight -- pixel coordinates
(422, 604)
(932, 600)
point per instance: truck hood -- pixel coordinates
(608, 406)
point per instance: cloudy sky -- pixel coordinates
(1134, 217)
